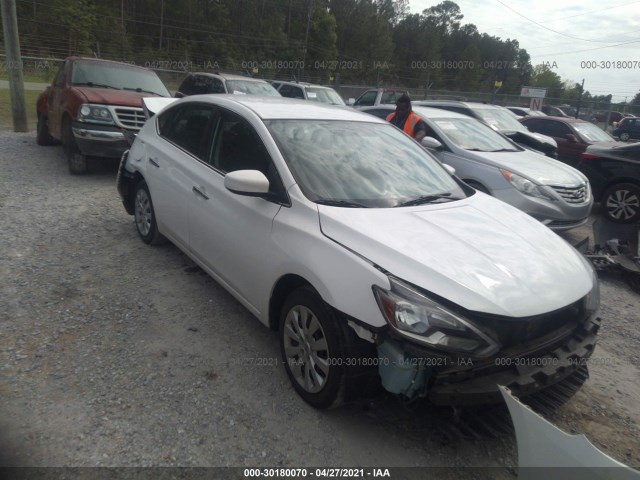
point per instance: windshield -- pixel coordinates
(470, 134)
(503, 120)
(592, 133)
(251, 88)
(369, 164)
(324, 95)
(113, 75)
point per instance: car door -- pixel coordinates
(568, 150)
(184, 135)
(230, 234)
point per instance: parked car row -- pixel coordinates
(376, 265)
(554, 193)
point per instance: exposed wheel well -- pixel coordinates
(281, 291)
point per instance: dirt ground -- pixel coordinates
(114, 353)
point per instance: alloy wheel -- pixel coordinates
(306, 349)
(143, 213)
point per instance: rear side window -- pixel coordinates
(368, 99)
(189, 127)
(291, 91)
(390, 97)
(187, 85)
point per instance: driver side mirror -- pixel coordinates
(179, 95)
(571, 137)
(431, 143)
(251, 183)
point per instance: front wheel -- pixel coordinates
(624, 136)
(622, 203)
(77, 162)
(312, 343)
(42, 132)
(145, 216)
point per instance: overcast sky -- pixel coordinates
(566, 32)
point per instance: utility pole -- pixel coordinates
(14, 65)
(580, 98)
(306, 40)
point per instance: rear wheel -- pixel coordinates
(621, 203)
(145, 216)
(624, 136)
(77, 161)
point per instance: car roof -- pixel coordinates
(303, 84)
(229, 76)
(455, 103)
(272, 108)
(102, 60)
(559, 119)
(427, 112)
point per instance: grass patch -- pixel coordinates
(6, 118)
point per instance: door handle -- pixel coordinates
(154, 163)
(197, 191)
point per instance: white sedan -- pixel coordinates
(373, 261)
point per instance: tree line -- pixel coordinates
(324, 41)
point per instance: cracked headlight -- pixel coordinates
(95, 114)
(525, 186)
(416, 316)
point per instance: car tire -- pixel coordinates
(145, 216)
(621, 203)
(477, 186)
(624, 136)
(42, 132)
(312, 343)
(77, 162)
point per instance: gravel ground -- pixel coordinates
(114, 353)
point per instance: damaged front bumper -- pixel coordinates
(414, 371)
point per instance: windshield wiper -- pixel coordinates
(141, 90)
(427, 199)
(340, 203)
(92, 84)
(503, 150)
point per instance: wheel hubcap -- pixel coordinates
(306, 349)
(623, 204)
(143, 212)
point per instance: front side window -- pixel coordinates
(237, 146)
(369, 164)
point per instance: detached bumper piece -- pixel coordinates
(564, 367)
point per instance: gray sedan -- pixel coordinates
(554, 193)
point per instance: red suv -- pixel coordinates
(91, 104)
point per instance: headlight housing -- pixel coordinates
(413, 315)
(525, 186)
(95, 114)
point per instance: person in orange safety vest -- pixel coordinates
(405, 119)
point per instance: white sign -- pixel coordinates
(533, 92)
(536, 104)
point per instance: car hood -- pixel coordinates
(542, 170)
(479, 253)
(109, 96)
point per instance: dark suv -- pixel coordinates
(627, 128)
(203, 83)
(501, 120)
